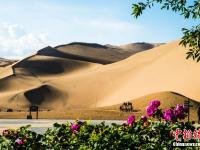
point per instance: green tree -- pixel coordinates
(188, 9)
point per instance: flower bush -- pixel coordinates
(154, 131)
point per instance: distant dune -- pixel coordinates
(103, 54)
(82, 75)
(167, 98)
(5, 67)
(6, 62)
(138, 47)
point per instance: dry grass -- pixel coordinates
(70, 114)
(85, 114)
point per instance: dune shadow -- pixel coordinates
(47, 66)
(49, 51)
(44, 94)
(39, 67)
(37, 96)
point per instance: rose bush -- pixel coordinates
(21, 138)
(152, 132)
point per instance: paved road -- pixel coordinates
(41, 125)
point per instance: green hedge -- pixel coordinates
(150, 135)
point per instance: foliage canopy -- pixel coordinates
(189, 10)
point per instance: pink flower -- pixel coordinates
(75, 127)
(131, 120)
(150, 110)
(155, 103)
(19, 141)
(179, 112)
(179, 108)
(144, 118)
(169, 114)
(153, 107)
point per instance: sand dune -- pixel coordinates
(6, 62)
(168, 99)
(54, 81)
(104, 54)
(138, 47)
(100, 53)
(171, 98)
(161, 69)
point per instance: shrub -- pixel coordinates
(9, 110)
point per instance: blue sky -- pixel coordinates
(26, 26)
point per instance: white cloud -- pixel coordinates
(16, 42)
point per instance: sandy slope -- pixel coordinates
(168, 99)
(5, 67)
(59, 83)
(6, 62)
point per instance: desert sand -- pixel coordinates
(6, 62)
(67, 78)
